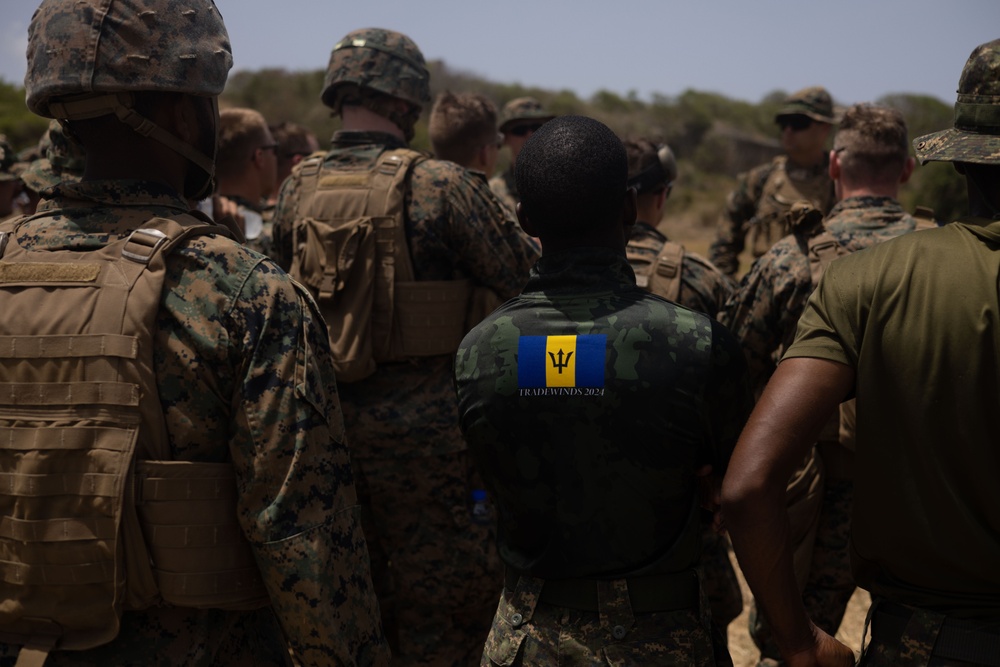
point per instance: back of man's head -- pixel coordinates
(651, 167)
(241, 132)
(571, 177)
(295, 142)
(460, 125)
(375, 68)
(871, 145)
(80, 68)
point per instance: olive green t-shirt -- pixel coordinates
(918, 318)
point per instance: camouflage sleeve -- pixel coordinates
(703, 286)
(298, 505)
(741, 206)
(485, 241)
(281, 225)
(729, 400)
(765, 308)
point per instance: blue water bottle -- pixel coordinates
(480, 509)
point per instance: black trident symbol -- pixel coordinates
(561, 364)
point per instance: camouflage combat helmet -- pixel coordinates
(975, 136)
(8, 160)
(662, 172)
(87, 57)
(63, 160)
(814, 102)
(381, 60)
(108, 46)
(523, 108)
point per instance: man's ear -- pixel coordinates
(834, 169)
(908, 167)
(526, 224)
(185, 119)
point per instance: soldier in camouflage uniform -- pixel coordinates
(518, 120)
(239, 351)
(868, 163)
(10, 182)
(755, 210)
(652, 171)
(247, 171)
(909, 327)
(693, 283)
(61, 160)
(595, 411)
(439, 589)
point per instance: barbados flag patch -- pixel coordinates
(561, 361)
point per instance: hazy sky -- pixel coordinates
(858, 49)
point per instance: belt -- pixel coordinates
(647, 594)
(957, 640)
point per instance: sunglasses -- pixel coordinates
(796, 123)
(524, 130)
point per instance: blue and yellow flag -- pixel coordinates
(561, 361)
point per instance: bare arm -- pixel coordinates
(796, 402)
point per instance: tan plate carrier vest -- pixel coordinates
(778, 193)
(94, 516)
(350, 250)
(662, 276)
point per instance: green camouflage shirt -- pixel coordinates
(455, 229)
(505, 188)
(244, 375)
(765, 309)
(588, 404)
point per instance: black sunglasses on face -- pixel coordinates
(796, 123)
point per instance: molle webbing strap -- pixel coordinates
(665, 279)
(823, 249)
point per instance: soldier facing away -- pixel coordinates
(869, 161)
(755, 210)
(177, 488)
(909, 327)
(442, 237)
(596, 411)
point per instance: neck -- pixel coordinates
(807, 160)
(243, 187)
(359, 119)
(845, 191)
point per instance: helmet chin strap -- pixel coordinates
(120, 104)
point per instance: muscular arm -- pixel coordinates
(801, 395)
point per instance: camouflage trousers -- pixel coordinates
(905, 636)
(435, 571)
(719, 581)
(171, 636)
(528, 632)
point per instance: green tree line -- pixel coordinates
(714, 137)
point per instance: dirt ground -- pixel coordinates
(742, 648)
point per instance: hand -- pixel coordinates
(825, 652)
(710, 495)
(223, 207)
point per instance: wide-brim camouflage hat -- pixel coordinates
(975, 136)
(814, 102)
(523, 108)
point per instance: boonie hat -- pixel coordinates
(523, 108)
(814, 102)
(975, 136)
